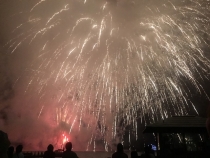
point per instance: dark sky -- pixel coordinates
(125, 59)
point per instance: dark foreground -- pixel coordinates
(101, 154)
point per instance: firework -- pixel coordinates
(100, 65)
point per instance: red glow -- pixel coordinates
(65, 139)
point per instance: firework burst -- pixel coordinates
(100, 65)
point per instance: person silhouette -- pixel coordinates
(134, 154)
(4, 144)
(120, 152)
(49, 153)
(18, 152)
(10, 151)
(147, 154)
(68, 153)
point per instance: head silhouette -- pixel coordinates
(68, 146)
(11, 149)
(147, 149)
(19, 148)
(119, 147)
(50, 147)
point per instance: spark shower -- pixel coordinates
(91, 67)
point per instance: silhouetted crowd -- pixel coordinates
(17, 154)
(12, 152)
(68, 153)
(49, 153)
(120, 153)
